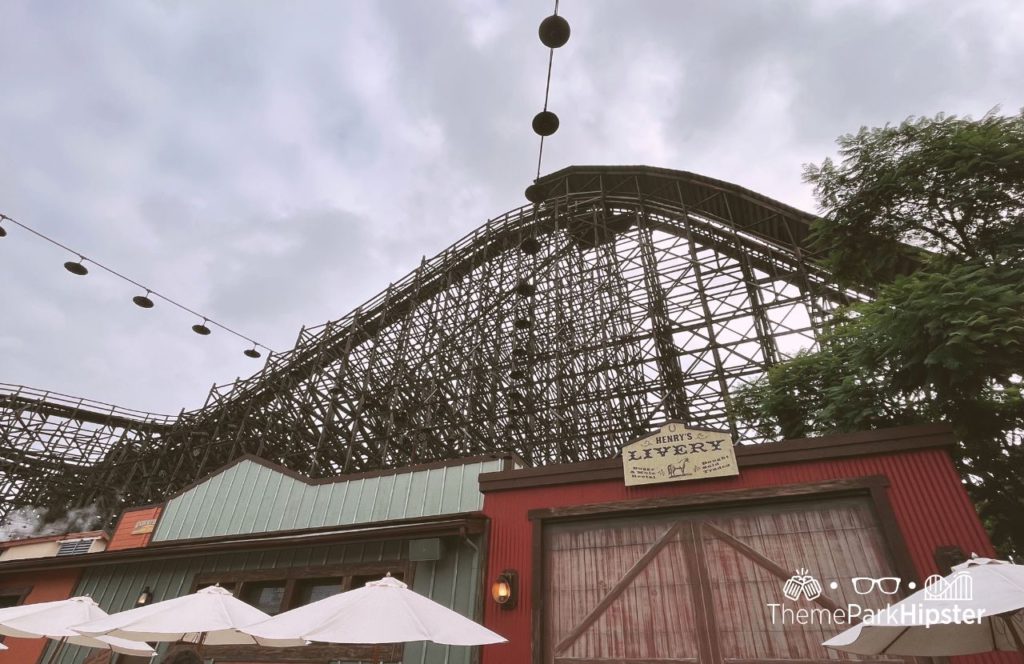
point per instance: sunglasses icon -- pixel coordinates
(887, 585)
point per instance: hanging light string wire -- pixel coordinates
(207, 319)
(547, 94)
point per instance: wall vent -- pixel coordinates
(75, 547)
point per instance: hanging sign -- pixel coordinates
(675, 453)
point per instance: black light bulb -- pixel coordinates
(554, 31)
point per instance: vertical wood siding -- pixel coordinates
(251, 498)
(453, 581)
(930, 505)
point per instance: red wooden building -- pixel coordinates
(689, 571)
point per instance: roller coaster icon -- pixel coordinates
(957, 588)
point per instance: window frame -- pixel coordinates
(21, 592)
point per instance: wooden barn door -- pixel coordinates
(696, 587)
(622, 591)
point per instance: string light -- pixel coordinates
(554, 33)
(145, 301)
(78, 268)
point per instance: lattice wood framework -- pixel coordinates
(633, 295)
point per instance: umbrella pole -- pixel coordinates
(56, 651)
(374, 658)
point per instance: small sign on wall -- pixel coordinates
(143, 526)
(675, 454)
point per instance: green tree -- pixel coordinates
(928, 216)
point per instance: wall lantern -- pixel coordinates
(145, 598)
(504, 590)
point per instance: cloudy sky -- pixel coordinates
(275, 164)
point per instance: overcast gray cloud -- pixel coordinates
(275, 164)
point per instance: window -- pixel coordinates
(267, 596)
(13, 597)
(9, 600)
(74, 547)
(308, 591)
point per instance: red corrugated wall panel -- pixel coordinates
(930, 503)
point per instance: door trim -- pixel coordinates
(872, 487)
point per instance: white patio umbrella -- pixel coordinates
(210, 616)
(384, 611)
(939, 620)
(53, 620)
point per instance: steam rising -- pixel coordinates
(29, 521)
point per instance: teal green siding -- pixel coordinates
(251, 498)
(453, 581)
